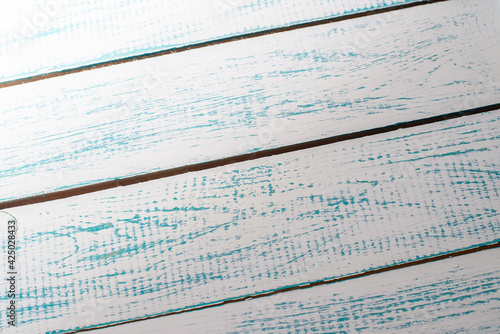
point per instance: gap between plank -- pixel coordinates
(213, 42)
(307, 285)
(235, 159)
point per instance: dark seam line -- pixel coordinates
(306, 286)
(213, 42)
(51, 196)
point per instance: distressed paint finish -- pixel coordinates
(459, 295)
(260, 225)
(247, 96)
(37, 37)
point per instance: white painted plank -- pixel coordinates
(260, 225)
(43, 36)
(458, 295)
(247, 96)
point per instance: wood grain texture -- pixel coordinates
(248, 96)
(44, 36)
(459, 295)
(260, 225)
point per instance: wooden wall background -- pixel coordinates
(233, 166)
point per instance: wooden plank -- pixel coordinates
(45, 36)
(261, 225)
(247, 96)
(459, 295)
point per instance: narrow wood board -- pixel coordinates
(459, 295)
(261, 225)
(248, 96)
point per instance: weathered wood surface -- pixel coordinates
(247, 96)
(49, 35)
(459, 295)
(256, 226)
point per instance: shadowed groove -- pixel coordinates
(51, 196)
(39, 77)
(308, 285)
